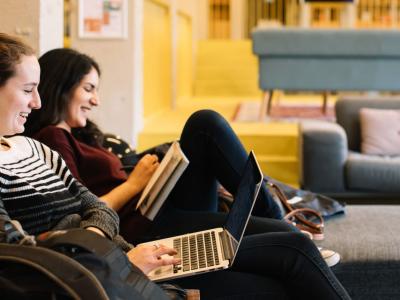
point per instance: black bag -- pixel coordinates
(74, 264)
(326, 206)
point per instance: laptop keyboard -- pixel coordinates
(197, 251)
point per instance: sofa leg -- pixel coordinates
(266, 104)
(325, 102)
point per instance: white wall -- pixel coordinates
(51, 25)
(38, 22)
(21, 17)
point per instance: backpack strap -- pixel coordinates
(91, 242)
(86, 240)
(75, 279)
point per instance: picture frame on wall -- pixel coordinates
(103, 19)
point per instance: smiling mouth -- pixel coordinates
(24, 115)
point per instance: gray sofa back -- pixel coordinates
(347, 115)
(349, 43)
(327, 59)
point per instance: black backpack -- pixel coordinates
(73, 264)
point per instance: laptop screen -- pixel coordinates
(245, 198)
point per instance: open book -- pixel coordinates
(162, 181)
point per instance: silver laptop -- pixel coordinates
(214, 249)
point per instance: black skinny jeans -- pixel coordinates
(271, 266)
(274, 261)
(215, 154)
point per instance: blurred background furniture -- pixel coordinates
(369, 244)
(347, 10)
(325, 60)
(332, 162)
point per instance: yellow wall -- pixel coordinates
(157, 57)
(184, 57)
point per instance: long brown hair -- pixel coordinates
(11, 51)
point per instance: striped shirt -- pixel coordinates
(38, 190)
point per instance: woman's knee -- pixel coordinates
(263, 225)
(302, 242)
(295, 240)
(205, 118)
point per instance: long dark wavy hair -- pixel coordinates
(61, 72)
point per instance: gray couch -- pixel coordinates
(332, 162)
(295, 59)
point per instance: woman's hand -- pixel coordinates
(135, 183)
(142, 172)
(95, 229)
(148, 257)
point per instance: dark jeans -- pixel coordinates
(271, 266)
(273, 261)
(215, 154)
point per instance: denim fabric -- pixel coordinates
(291, 259)
(215, 154)
(175, 222)
(274, 261)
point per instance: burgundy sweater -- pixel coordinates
(95, 167)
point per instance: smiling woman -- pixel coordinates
(19, 79)
(74, 96)
(84, 97)
(37, 191)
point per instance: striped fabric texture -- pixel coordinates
(38, 190)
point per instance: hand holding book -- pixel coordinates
(162, 181)
(144, 169)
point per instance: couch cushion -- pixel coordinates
(348, 114)
(373, 173)
(368, 241)
(326, 42)
(380, 131)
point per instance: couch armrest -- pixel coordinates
(324, 156)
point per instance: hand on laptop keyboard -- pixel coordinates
(148, 257)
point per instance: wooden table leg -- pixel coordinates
(325, 102)
(266, 104)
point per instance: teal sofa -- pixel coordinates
(325, 60)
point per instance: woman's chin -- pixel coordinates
(18, 130)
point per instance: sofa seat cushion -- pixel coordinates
(373, 173)
(368, 241)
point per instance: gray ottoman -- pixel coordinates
(368, 240)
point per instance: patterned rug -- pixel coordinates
(250, 111)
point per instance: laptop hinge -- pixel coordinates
(228, 245)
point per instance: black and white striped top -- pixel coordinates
(38, 190)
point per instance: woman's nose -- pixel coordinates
(94, 100)
(36, 103)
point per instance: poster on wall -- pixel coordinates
(103, 19)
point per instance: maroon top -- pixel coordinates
(95, 167)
